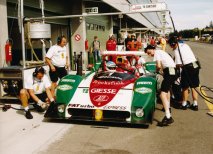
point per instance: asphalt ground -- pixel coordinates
(191, 133)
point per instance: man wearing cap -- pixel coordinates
(164, 61)
(185, 58)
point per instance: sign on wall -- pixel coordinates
(148, 7)
(77, 37)
(91, 10)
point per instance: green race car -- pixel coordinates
(110, 92)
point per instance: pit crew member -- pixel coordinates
(190, 71)
(164, 61)
(37, 89)
(57, 60)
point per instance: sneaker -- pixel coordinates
(183, 107)
(166, 121)
(38, 108)
(28, 115)
(194, 107)
(186, 106)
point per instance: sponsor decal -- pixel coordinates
(120, 108)
(143, 90)
(151, 64)
(109, 77)
(101, 98)
(64, 87)
(87, 106)
(103, 91)
(108, 82)
(81, 106)
(144, 82)
(68, 80)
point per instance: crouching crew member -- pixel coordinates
(164, 61)
(190, 71)
(37, 89)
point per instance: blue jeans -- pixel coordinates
(96, 56)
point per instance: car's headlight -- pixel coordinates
(139, 112)
(61, 108)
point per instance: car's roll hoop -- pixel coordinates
(123, 53)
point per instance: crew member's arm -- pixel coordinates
(158, 65)
(52, 67)
(67, 63)
(49, 94)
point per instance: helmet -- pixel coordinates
(110, 65)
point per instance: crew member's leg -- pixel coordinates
(165, 97)
(195, 84)
(54, 79)
(53, 87)
(24, 96)
(166, 103)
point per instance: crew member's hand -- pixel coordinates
(52, 101)
(67, 66)
(42, 104)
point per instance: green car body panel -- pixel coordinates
(144, 97)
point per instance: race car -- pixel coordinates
(110, 92)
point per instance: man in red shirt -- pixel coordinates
(152, 41)
(133, 45)
(111, 43)
(111, 46)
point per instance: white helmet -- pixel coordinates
(110, 65)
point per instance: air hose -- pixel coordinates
(6, 107)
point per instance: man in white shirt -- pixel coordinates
(37, 89)
(185, 58)
(57, 60)
(164, 61)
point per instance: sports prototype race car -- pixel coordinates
(116, 90)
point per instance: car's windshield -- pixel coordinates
(113, 76)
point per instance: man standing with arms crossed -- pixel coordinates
(57, 60)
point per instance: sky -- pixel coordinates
(189, 14)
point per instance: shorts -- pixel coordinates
(41, 96)
(190, 77)
(168, 80)
(59, 73)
